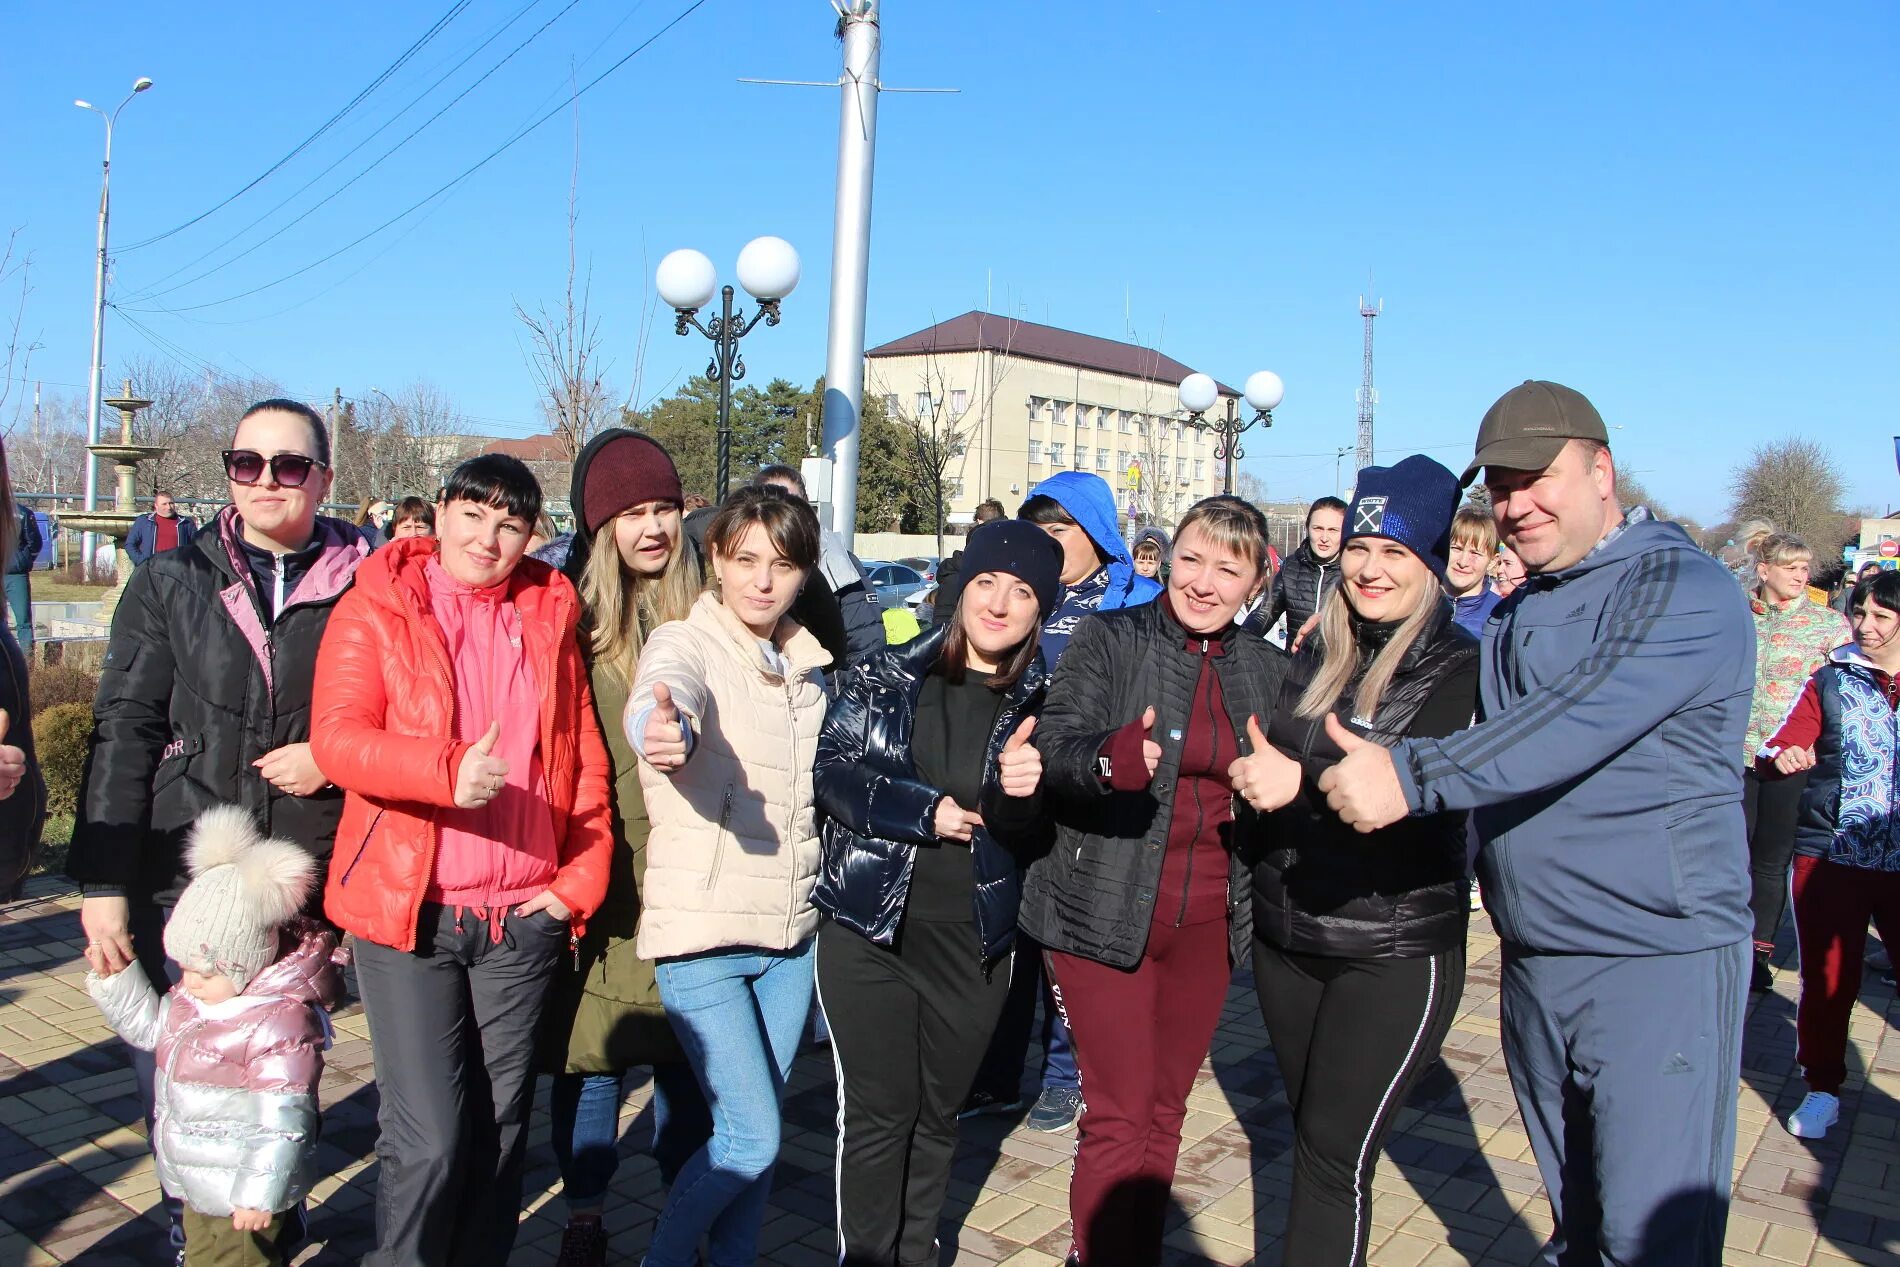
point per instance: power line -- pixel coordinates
(152, 292)
(428, 35)
(493, 154)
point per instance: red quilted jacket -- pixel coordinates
(382, 729)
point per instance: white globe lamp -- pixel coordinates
(1264, 391)
(768, 268)
(1198, 393)
(686, 280)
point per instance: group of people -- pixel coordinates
(630, 812)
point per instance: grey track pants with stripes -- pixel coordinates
(1626, 1070)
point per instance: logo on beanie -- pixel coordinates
(1370, 515)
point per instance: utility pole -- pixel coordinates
(851, 256)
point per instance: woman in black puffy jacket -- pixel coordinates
(1359, 940)
(926, 776)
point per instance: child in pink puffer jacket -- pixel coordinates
(239, 1040)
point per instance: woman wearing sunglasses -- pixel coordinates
(206, 693)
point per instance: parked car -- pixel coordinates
(894, 582)
(923, 605)
(923, 565)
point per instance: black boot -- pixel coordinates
(1763, 980)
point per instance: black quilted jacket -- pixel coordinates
(877, 812)
(1398, 893)
(1093, 893)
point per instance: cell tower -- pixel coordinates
(1369, 309)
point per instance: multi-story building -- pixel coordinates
(1009, 403)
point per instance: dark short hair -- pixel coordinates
(495, 479)
(769, 477)
(1882, 590)
(1044, 509)
(413, 508)
(1324, 503)
(790, 522)
(319, 434)
(987, 509)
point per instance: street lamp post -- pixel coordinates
(686, 280)
(1337, 456)
(1263, 391)
(99, 313)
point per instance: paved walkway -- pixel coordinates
(1457, 1184)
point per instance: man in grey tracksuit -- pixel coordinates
(1614, 685)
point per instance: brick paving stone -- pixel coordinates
(1458, 1184)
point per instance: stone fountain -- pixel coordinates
(117, 522)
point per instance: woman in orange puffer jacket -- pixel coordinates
(453, 706)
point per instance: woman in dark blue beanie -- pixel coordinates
(1359, 940)
(927, 783)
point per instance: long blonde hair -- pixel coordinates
(623, 605)
(1340, 652)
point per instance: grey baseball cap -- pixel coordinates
(1529, 425)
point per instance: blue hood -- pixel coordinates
(1091, 504)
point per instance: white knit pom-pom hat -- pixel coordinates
(242, 890)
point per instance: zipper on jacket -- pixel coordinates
(435, 827)
(719, 841)
(360, 849)
(1200, 807)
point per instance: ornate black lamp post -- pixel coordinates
(1263, 391)
(686, 280)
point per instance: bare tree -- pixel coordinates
(1795, 485)
(48, 453)
(16, 278)
(936, 431)
(564, 352)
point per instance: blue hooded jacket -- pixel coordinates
(1116, 584)
(1607, 800)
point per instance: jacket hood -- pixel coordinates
(307, 973)
(344, 548)
(1157, 536)
(1091, 504)
(1639, 533)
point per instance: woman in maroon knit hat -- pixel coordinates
(635, 569)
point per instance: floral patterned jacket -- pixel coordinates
(1792, 640)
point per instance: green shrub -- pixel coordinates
(51, 685)
(60, 735)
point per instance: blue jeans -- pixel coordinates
(740, 1015)
(20, 609)
(586, 1112)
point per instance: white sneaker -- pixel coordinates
(1814, 1115)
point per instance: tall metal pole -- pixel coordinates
(725, 341)
(95, 383)
(851, 257)
(1366, 453)
(1233, 437)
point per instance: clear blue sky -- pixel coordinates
(1687, 211)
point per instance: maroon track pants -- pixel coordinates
(1832, 904)
(1140, 1037)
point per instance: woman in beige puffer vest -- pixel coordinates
(725, 712)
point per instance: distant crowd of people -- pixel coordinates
(652, 793)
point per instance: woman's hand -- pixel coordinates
(481, 775)
(661, 744)
(1312, 623)
(545, 901)
(107, 921)
(12, 761)
(1794, 760)
(292, 769)
(1266, 779)
(250, 1220)
(954, 822)
(1019, 767)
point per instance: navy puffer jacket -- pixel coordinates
(877, 812)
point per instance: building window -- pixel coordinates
(1180, 468)
(891, 407)
(952, 488)
(1055, 452)
(960, 446)
(1200, 469)
(1104, 419)
(959, 402)
(923, 405)
(1059, 411)
(1121, 460)
(1035, 451)
(1128, 422)
(1081, 457)
(1101, 459)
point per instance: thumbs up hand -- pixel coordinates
(1019, 767)
(661, 742)
(1150, 750)
(1363, 789)
(1265, 778)
(12, 760)
(481, 775)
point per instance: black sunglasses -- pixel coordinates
(246, 466)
